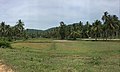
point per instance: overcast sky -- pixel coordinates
(44, 14)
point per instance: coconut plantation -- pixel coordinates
(59, 36)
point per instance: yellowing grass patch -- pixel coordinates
(32, 45)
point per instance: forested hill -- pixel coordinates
(33, 31)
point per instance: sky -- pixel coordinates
(44, 14)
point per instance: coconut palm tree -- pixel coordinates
(2, 29)
(105, 21)
(109, 24)
(62, 30)
(74, 35)
(97, 28)
(115, 22)
(87, 29)
(19, 28)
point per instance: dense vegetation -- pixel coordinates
(5, 44)
(9, 33)
(108, 28)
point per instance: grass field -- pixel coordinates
(62, 56)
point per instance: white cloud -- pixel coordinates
(43, 14)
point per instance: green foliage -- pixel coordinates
(62, 30)
(12, 32)
(108, 29)
(5, 44)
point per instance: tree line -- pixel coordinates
(108, 28)
(9, 33)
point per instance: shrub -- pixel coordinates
(6, 39)
(5, 44)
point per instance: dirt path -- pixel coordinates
(63, 41)
(89, 39)
(4, 68)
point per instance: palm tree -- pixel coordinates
(112, 25)
(115, 22)
(20, 25)
(87, 30)
(2, 29)
(97, 26)
(19, 29)
(62, 30)
(74, 35)
(105, 21)
(109, 24)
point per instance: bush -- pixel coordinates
(9, 39)
(4, 44)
